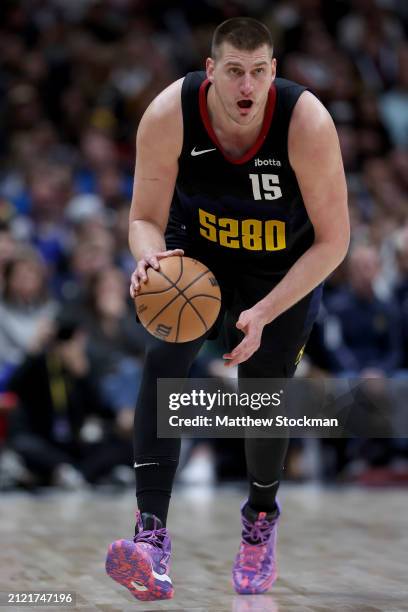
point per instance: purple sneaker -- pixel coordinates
(142, 564)
(254, 569)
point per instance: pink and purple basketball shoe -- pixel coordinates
(254, 569)
(142, 564)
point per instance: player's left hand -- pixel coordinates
(252, 325)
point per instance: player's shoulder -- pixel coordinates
(167, 104)
(162, 123)
(310, 114)
(312, 133)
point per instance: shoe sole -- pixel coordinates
(132, 568)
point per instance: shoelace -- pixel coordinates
(258, 532)
(252, 555)
(156, 538)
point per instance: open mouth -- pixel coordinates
(245, 103)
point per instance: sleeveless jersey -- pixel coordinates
(245, 212)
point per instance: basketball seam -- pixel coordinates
(212, 297)
(154, 292)
(167, 279)
(173, 284)
(188, 303)
(180, 292)
(164, 307)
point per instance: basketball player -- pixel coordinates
(242, 171)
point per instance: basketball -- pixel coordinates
(180, 301)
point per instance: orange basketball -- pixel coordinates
(180, 301)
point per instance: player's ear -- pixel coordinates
(209, 68)
(273, 66)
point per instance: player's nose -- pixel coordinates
(246, 85)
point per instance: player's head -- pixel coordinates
(242, 67)
(242, 33)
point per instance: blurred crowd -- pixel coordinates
(75, 78)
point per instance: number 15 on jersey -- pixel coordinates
(269, 189)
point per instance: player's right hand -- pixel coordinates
(139, 276)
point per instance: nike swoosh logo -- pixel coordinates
(261, 486)
(161, 577)
(194, 152)
(136, 465)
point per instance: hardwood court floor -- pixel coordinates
(339, 550)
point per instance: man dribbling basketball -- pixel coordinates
(243, 172)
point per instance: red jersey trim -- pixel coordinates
(269, 112)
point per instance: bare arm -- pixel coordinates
(314, 154)
(158, 146)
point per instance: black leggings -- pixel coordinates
(156, 459)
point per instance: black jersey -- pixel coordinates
(247, 211)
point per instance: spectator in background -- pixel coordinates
(121, 228)
(373, 139)
(374, 54)
(401, 289)
(369, 341)
(399, 162)
(362, 340)
(26, 310)
(384, 202)
(116, 343)
(8, 250)
(312, 63)
(98, 153)
(394, 103)
(93, 249)
(401, 252)
(50, 186)
(58, 395)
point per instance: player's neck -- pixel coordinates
(234, 138)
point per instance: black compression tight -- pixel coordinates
(264, 456)
(156, 459)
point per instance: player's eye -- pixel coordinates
(259, 70)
